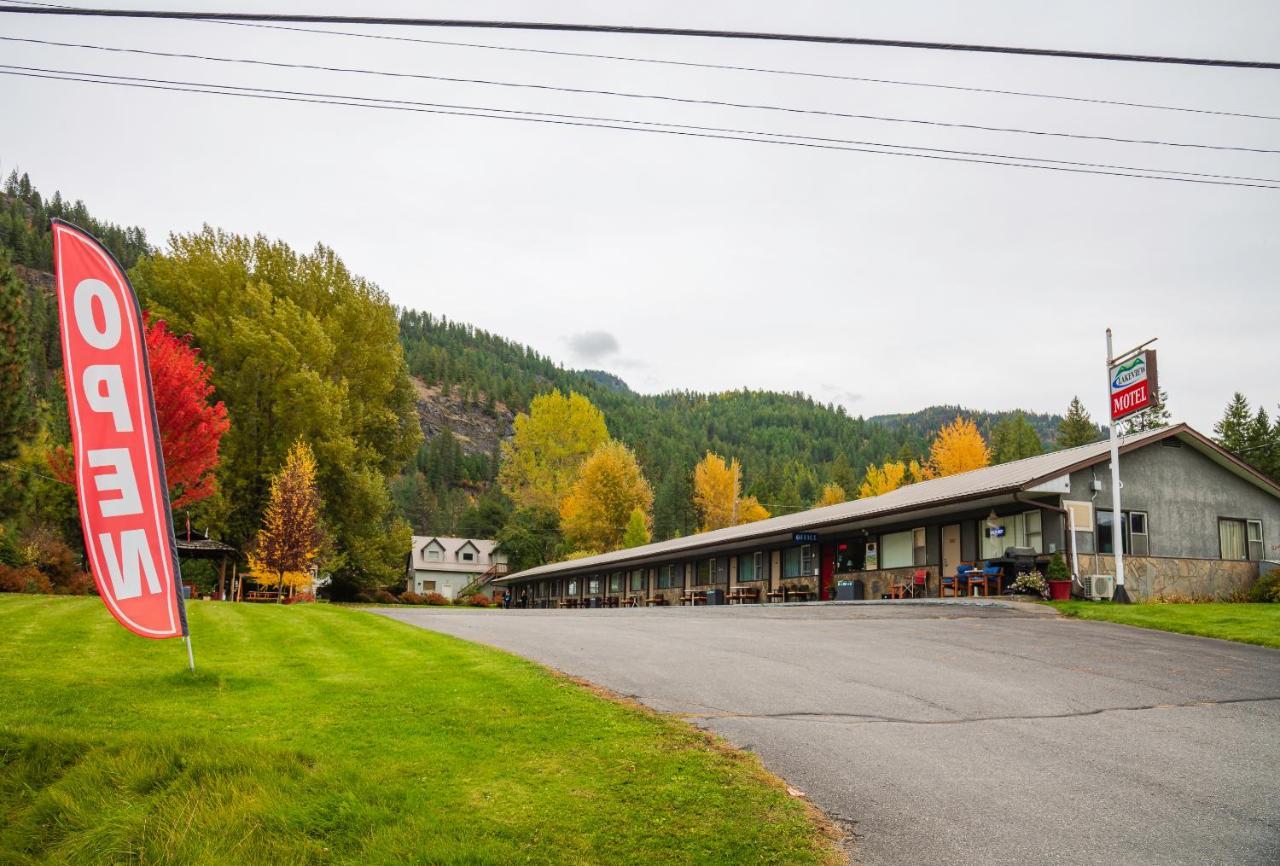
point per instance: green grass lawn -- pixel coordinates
(315, 734)
(1247, 623)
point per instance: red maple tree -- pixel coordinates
(191, 426)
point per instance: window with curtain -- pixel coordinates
(1013, 530)
(720, 569)
(572, 588)
(593, 586)
(664, 576)
(637, 580)
(799, 561)
(1239, 539)
(895, 550)
(703, 572)
(615, 582)
(919, 549)
(753, 566)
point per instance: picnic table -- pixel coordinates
(658, 601)
(743, 594)
(803, 592)
(694, 597)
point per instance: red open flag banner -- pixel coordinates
(120, 481)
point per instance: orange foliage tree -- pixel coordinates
(958, 447)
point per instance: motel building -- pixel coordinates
(1196, 521)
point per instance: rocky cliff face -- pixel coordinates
(477, 429)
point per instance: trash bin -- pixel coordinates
(715, 596)
(595, 602)
(850, 590)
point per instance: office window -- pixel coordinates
(753, 566)
(637, 580)
(919, 552)
(800, 561)
(895, 550)
(615, 582)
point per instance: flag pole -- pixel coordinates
(191, 658)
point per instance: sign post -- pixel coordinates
(115, 436)
(1133, 388)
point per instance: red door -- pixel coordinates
(826, 591)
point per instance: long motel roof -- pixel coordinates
(1042, 474)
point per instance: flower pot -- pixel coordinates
(1060, 590)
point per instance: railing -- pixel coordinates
(498, 569)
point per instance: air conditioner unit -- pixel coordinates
(1099, 587)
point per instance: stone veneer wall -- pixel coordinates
(1150, 577)
(877, 582)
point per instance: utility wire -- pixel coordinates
(637, 126)
(631, 95)
(636, 31)
(727, 67)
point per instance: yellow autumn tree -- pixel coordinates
(609, 488)
(291, 539)
(890, 476)
(958, 447)
(542, 459)
(716, 494)
(832, 494)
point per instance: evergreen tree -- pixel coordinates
(637, 532)
(16, 410)
(1076, 428)
(1234, 430)
(1154, 417)
(1013, 438)
(1263, 444)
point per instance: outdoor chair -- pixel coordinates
(955, 582)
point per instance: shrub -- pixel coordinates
(1267, 588)
(384, 597)
(27, 578)
(77, 583)
(1032, 584)
(479, 600)
(412, 598)
(301, 598)
(436, 599)
(1057, 569)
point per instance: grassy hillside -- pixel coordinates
(323, 735)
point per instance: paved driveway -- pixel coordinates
(955, 733)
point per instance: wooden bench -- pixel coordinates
(256, 595)
(803, 592)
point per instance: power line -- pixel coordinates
(686, 130)
(643, 96)
(830, 76)
(637, 31)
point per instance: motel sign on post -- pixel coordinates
(1133, 385)
(120, 481)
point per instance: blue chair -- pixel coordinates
(955, 583)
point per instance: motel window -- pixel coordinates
(919, 552)
(703, 572)
(895, 549)
(615, 582)
(800, 561)
(849, 557)
(593, 586)
(1013, 530)
(753, 566)
(1240, 539)
(573, 588)
(671, 576)
(719, 569)
(1081, 519)
(664, 577)
(1136, 540)
(637, 580)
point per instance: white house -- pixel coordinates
(449, 565)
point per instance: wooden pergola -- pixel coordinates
(193, 544)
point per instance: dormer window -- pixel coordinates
(433, 554)
(468, 556)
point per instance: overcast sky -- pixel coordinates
(879, 282)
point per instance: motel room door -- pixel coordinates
(950, 549)
(826, 590)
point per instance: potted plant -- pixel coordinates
(1059, 579)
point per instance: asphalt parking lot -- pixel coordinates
(955, 733)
